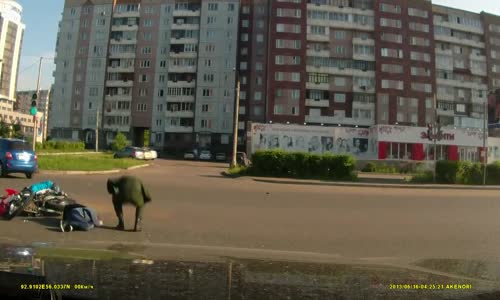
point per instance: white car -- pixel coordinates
(150, 153)
(205, 155)
(189, 156)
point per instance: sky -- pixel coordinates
(42, 18)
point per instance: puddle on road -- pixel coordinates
(114, 276)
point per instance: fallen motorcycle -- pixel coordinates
(43, 198)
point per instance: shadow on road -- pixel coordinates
(216, 176)
(51, 223)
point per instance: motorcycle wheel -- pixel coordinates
(14, 209)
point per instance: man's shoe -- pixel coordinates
(138, 225)
(120, 226)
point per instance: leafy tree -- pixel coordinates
(17, 130)
(120, 142)
(4, 129)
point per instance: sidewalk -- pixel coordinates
(92, 172)
(374, 180)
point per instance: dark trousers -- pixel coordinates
(118, 205)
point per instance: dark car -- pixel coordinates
(17, 156)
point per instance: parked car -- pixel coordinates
(190, 155)
(205, 155)
(17, 156)
(130, 152)
(150, 153)
(220, 157)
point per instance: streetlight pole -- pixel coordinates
(236, 114)
(485, 134)
(38, 97)
(97, 132)
(434, 137)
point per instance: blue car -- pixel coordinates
(17, 156)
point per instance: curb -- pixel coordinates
(67, 153)
(373, 185)
(94, 172)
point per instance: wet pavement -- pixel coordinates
(106, 277)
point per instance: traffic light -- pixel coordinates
(33, 109)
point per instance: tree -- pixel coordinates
(17, 131)
(4, 129)
(120, 142)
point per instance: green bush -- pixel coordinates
(493, 173)
(63, 146)
(469, 173)
(120, 142)
(423, 177)
(370, 167)
(302, 165)
(447, 171)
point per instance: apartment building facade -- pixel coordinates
(166, 68)
(367, 62)
(11, 36)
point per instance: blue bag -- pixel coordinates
(80, 217)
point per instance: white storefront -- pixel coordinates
(378, 142)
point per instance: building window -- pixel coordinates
(391, 8)
(339, 98)
(213, 6)
(340, 35)
(142, 107)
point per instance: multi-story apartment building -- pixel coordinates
(11, 35)
(366, 62)
(167, 67)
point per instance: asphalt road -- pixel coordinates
(193, 205)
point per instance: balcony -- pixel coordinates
(186, 99)
(444, 52)
(123, 41)
(368, 57)
(126, 14)
(185, 26)
(445, 112)
(318, 103)
(317, 86)
(118, 97)
(363, 89)
(318, 37)
(339, 120)
(339, 71)
(459, 27)
(186, 13)
(319, 53)
(180, 114)
(183, 40)
(182, 69)
(459, 41)
(448, 97)
(179, 129)
(183, 55)
(117, 127)
(477, 57)
(181, 84)
(363, 105)
(361, 41)
(340, 24)
(124, 28)
(129, 69)
(120, 83)
(122, 55)
(118, 112)
(462, 84)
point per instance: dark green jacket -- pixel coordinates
(128, 189)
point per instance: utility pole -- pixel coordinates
(236, 114)
(485, 135)
(38, 97)
(97, 132)
(435, 133)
